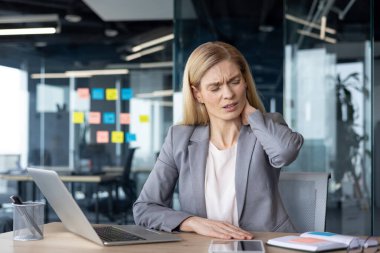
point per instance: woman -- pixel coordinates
(226, 156)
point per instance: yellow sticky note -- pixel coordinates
(111, 94)
(78, 117)
(144, 118)
(117, 137)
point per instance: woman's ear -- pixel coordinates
(196, 94)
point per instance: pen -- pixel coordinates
(17, 201)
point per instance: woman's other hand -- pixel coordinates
(248, 110)
(212, 228)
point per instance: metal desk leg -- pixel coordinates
(97, 204)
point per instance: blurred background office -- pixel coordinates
(95, 86)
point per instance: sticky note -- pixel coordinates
(126, 93)
(130, 137)
(117, 137)
(83, 93)
(102, 137)
(307, 240)
(78, 117)
(109, 118)
(111, 94)
(144, 118)
(97, 94)
(125, 119)
(94, 117)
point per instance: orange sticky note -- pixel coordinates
(83, 93)
(78, 117)
(117, 137)
(125, 118)
(144, 118)
(111, 94)
(308, 240)
(102, 137)
(94, 117)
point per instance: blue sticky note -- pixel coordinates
(129, 137)
(97, 94)
(126, 93)
(109, 118)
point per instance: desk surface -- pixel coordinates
(58, 239)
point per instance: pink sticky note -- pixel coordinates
(125, 118)
(83, 93)
(94, 118)
(102, 137)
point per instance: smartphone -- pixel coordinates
(236, 246)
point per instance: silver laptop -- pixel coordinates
(75, 221)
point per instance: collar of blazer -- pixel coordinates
(198, 152)
(202, 133)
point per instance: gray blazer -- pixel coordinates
(264, 146)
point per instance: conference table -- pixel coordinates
(95, 179)
(57, 239)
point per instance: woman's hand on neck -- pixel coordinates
(247, 111)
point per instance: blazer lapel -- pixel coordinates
(198, 152)
(246, 144)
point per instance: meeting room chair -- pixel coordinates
(114, 207)
(304, 195)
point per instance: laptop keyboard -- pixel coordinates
(112, 234)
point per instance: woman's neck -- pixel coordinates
(224, 134)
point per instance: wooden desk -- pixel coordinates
(108, 177)
(58, 240)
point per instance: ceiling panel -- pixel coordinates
(132, 10)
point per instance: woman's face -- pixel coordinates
(223, 91)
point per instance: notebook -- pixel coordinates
(76, 222)
(320, 241)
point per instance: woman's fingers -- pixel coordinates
(218, 229)
(235, 232)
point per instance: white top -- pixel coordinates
(220, 194)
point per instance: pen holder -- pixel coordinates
(28, 221)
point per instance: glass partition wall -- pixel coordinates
(328, 98)
(76, 100)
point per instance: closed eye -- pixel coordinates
(214, 87)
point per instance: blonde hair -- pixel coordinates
(200, 61)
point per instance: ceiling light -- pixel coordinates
(28, 31)
(158, 93)
(52, 27)
(81, 73)
(322, 34)
(43, 18)
(110, 32)
(40, 44)
(153, 42)
(306, 23)
(100, 72)
(49, 75)
(143, 65)
(73, 18)
(317, 36)
(266, 28)
(144, 52)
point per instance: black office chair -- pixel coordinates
(114, 207)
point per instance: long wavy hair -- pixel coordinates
(200, 61)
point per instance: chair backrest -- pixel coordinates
(304, 195)
(128, 163)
